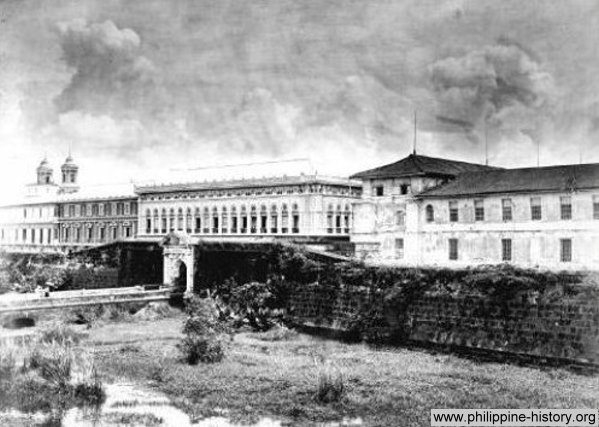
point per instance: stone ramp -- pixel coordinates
(26, 303)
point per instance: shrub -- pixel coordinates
(255, 304)
(202, 331)
(330, 386)
(31, 393)
(201, 349)
(54, 363)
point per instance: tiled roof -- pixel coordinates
(417, 165)
(543, 179)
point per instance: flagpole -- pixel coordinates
(415, 133)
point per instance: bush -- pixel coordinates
(31, 393)
(201, 349)
(255, 304)
(53, 362)
(330, 386)
(202, 330)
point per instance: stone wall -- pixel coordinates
(564, 329)
(95, 278)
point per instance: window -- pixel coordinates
(101, 233)
(94, 210)
(148, 225)
(479, 210)
(120, 208)
(108, 209)
(295, 219)
(71, 210)
(430, 213)
(536, 212)
(506, 249)
(273, 219)
(379, 190)
(453, 212)
(25, 212)
(453, 249)
(595, 207)
(400, 218)
(399, 248)
(566, 207)
(506, 209)
(404, 189)
(565, 250)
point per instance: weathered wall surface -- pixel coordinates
(566, 329)
(95, 278)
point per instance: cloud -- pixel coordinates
(485, 83)
(110, 73)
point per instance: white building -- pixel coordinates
(427, 211)
(304, 207)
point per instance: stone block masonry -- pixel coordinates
(567, 328)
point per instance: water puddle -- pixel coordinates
(128, 404)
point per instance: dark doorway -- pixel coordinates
(181, 280)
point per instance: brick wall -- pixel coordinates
(567, 328)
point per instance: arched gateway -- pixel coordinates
(178, 261)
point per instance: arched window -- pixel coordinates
(330, 215)
(155, 222)
(171, 220)
(198, 221)
(206, 228)
(263, 219)
(430, 213)
(224, 220)
(163, 219)
(253, 220)
(180, 219)
(347, 218)
(244, 220)
(274, 219)
(284, 219)
(215, 220)
(295, 218)
(148, 221)
(234, 224)
(188, 220)
(338, 219)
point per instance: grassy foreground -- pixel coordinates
(278, 379)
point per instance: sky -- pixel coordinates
(138, 88)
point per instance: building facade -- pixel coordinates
(58, 218)
(85, 222)
(426, 211)
(305, 207)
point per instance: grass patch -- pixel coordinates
(383, 386)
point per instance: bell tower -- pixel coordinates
(69, 175)
(44, 173)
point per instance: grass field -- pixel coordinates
(278, 379)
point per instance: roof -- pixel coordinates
(247, 183)
(99, 192)
(417, 165)
(543, 179)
